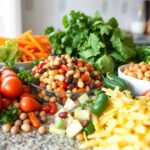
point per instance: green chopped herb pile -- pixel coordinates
(9, 115)
(91, 38)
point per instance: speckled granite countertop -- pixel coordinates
(35, 141)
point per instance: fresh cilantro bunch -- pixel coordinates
(9, 115)
(92, 39)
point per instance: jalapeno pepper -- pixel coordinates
(112, 81)
(101, 104)
(89, 129)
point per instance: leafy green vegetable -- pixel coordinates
(105, 64)
(26, 77)
(3, 53)
(91, 38)
(143, 53)
(9, 52)
(9, 115)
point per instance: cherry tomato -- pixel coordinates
(11, 87)
(146, 93)
(5, 103)
(7, 73)
(29, 104)
(4, 68)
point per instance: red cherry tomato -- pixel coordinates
(11, 87)
(5, 103)
(29, 104)
(7, 73)
(4, 68)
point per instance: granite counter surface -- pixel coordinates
(35, 141)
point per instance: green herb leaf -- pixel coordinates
(105, 64)
(9, 115)
(25, 76)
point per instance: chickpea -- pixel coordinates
(135, 67)
(45, 75)
(37, 75)
(87, 88)
(15, 130)
(27, 121)
(43, 92)
(53, 99)
(79, 137)
(144, 68)
(130, 74)
(61, 78)
(70, 72)
(67, 56)
(141, 63)
(140, 75)
(49, 87)
(56, 62)
(26, 127)
(147, 74)
(18, 123)
(74, 90)
(43, 119)
(42, 130)
(46, 98)
(76, 75)
(131, 68)
(42, 113)
(80, 84)
(6, 128)
(70, 64)
(23, 116)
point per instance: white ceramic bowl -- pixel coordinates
(135, 85)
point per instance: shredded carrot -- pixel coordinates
(35, 42)
(34, 120)
(32, 46)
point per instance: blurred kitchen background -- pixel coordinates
(17, 16)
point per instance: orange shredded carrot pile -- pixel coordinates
(32, 46)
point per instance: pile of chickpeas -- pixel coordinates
(24, 124)
(138, 70)
(66, 74)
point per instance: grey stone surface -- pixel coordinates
(35, 141)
